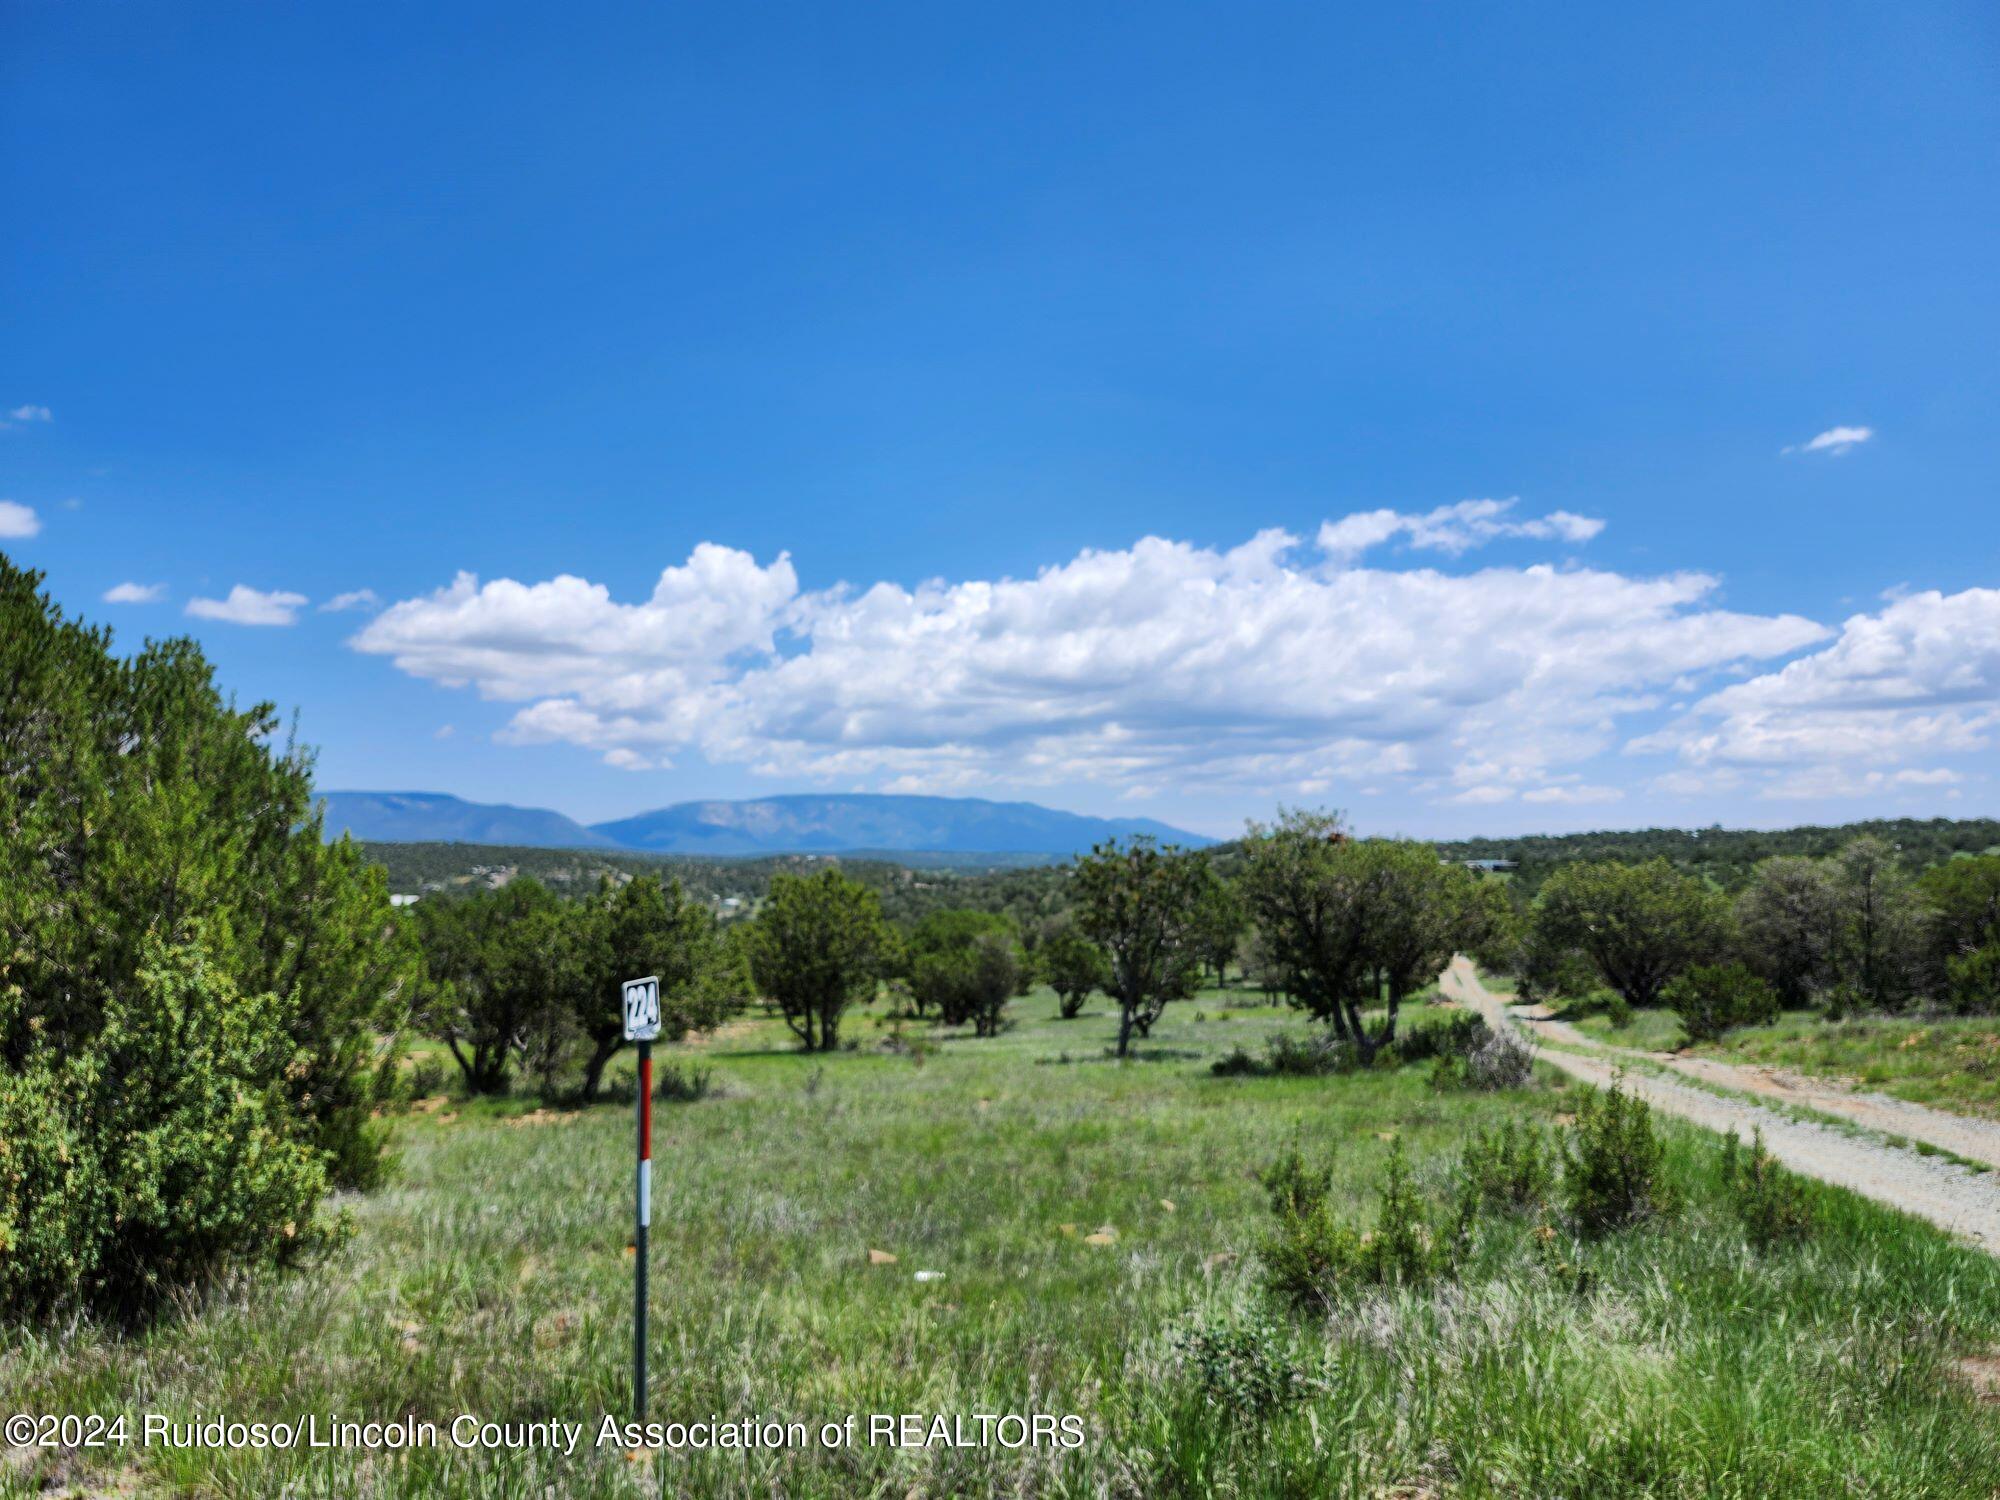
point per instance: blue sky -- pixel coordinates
(958, 306)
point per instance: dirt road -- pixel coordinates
(1949, 1195)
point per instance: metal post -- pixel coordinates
(645, 1216)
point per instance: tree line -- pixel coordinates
(1851, 931)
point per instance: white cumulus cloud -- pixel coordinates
(18, 520)
(361, 599)
(1451, 529)
(1916, 680)
(135, 593)
(1163, 663)
(1835, 441)
(28, 413)
(248, 606)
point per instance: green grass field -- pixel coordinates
(492, 1278)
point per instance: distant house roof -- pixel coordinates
(1488, 864)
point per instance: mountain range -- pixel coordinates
(843, 823)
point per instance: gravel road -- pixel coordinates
(1949, 1195)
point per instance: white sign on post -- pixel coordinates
(642, 1009)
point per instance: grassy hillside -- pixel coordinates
(493, 1279)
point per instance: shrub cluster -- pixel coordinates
(1288, 1056)
(1612, 1163)
(195, 989)
(1607, 1177)
(1513, 1167)
(1312, 1258)
(1711, 999)
(1469, 1054)
(165, 1150)
(683, 1082)
(1242, 1366)
(1773, 1204)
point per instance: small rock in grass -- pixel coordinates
(930, 1276)
(1167, 1204)
(881, 1258)
(1220, 1258)
(1105, 1236)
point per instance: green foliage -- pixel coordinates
(1726, 857)
(1456, 1034)
(1880, 926)
(1483, 1060)
(1243, 1366)
(1788, 927)
(1511, 1168)
(677, 1082)
(1312, 1259)
(965, 965)
(1972, 981)
(139, 807)
(1773, 1204)
(1638, 925)
(820, 945)
(150, 830)
(1262, 965)
(1220, 917)
(426, 1079)
(159, 1152)
(1357, 922)
(1073, 967)
(1142, 904)
(1290, 1056)
(1612, 1163)
(1711, 999)
(1962, 933)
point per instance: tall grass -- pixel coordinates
(492, 1277)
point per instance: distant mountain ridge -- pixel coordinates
(440, 818)
(807, 823)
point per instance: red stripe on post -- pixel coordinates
(645, 1109)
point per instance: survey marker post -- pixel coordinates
(642, 1024)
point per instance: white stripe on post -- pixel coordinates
(645, 1192)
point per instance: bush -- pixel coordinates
(1237, 1063)
(683, 1083)
(1244, 1366)
(1501, 1060)
(1512, 1168)
(1771, 1202)
(1710, 999)
(1973, 981)
(159, 1152)
(1310, 1252)
(1612, 1163)
(145, 813)
(1458, 1034)
(1315, 1057)
(1312, 1258)
(426, 1078)
(1288, 1056)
